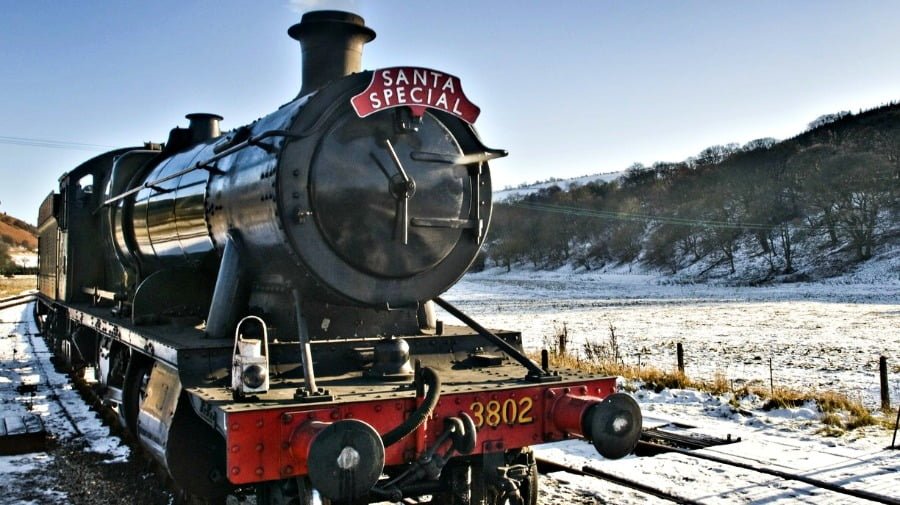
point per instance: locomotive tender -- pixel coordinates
(258, 305)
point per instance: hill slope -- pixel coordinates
(812, 206)
(16, 232)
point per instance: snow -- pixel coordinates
(825, 335)
(25, 359)
(24, 257)
(520, 192)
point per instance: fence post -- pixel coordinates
(679, 350)
(771, 378)
(885, 393)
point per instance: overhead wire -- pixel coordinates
(52, 144)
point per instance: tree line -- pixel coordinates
(833, 187)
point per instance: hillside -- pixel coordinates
(16, 232)
(524, 190)
(816, 205)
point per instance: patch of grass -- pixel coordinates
(831, 430)
(831, 419)
(10, 286)
(783, 398)
(719, 385)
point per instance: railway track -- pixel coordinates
(40, 363)
(546, 466)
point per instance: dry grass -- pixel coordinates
(839, 411)
(10, 286)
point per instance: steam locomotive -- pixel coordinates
(258, 306)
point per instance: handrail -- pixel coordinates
(206, 164)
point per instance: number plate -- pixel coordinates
(511, 412)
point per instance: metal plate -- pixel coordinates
(356, 201)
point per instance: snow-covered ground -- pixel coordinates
(523, 191)
(25, 360)
(24, 257)
(817, 335)
(825, 335)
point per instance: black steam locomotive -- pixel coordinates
(258, 306)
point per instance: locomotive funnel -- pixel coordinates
(332, 43)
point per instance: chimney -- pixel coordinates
(203, 126)
(332, 43)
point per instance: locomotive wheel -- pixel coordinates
(134, 390)
(296, 491)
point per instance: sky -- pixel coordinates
(567, 87)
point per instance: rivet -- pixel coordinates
(235, 426)
(235, 448)
(235, 470)
(259, 423)
(378, 408)
(335, 414)
(287, 470)
(457, 400)
(285, 445)
(259, 448)
(259, 470)
(286, 418)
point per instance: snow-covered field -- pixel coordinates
(821, 335)
(825, 335)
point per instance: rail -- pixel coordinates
(653, 448)
(12, 301)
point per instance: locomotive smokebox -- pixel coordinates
(332, 43)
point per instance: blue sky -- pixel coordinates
(569, 88)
